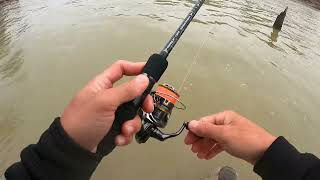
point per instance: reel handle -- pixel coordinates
(161, 136)
(154, 68)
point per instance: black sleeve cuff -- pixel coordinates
(56, 156)
(283, 161)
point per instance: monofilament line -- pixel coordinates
(195, 59)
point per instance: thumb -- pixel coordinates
(206, 130)
(130, 90)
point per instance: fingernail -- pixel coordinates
(141, 78)
(193, 124)
(120, 140)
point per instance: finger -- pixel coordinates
(206, 129)
(127, 91)
(123, 140)
(129, 128)
(147, 105)
(221, 118)
(217, 119)
(214, 151)
(120, 68)
(191, 138)
(202, 145)
(205, 145)
(194, 147)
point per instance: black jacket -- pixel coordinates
(57, 157)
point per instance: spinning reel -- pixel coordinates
(165, 99)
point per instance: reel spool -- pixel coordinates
(165, 99)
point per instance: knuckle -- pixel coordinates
(222, 132)
(206, 118)
(106, 102)
(230, 113)
(120, 62)
(134, 128)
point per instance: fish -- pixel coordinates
(280, 19)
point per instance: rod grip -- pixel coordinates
(125, 112)
(154, 68)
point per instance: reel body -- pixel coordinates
(165, 99)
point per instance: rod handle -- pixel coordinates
(154, 68)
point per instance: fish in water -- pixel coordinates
(227, 173)
(280, 19)
(274, 35)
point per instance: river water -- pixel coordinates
(49, 49)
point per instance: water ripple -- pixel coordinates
(152, 16)
(167, 2)
(12, 26)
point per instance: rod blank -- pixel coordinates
(176, 36)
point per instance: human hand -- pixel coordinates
(230, 132)
(90, 114)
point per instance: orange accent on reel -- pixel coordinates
(167, 93)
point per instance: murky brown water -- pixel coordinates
(49, 49)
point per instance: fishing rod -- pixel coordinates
(154, 69)
(176, 36)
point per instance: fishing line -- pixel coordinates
(195, 60)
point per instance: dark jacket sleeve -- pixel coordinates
(282, 161)
(55, 156)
